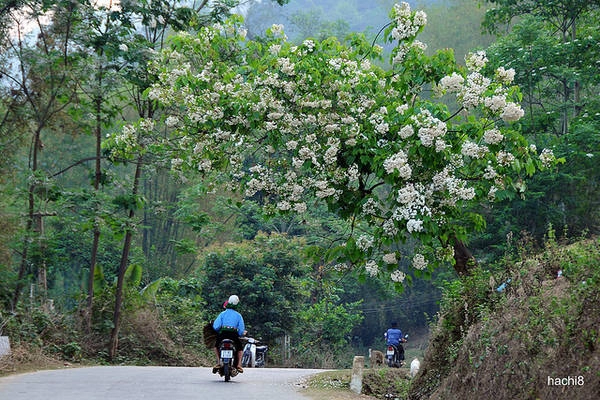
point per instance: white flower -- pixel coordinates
(205, 165)
(512, 112)
(420, 18)
(492, 193)
(300, 208)
(401, 52)
(172, 121)
(176, 163)
(147, 124)
(353, 173)
(401, 109)
(506, 76)
(274, 49)
(490, 173)
(286, 66)
(505, 159)
(398, 162)
(277, 29)
(419, 261)
(369, 207)
(406, 131)
(533, 148)
(414, 225)
(547, 157)
(389, 228)
(476, 61)
(495, 103)
(365, 242)
(472, 92)
(284, 205)
(398, 276)
(473, 150)
(452, 83)
(390, 258)
(372, 268)
(409, 194)
(123, 47)
(426, 136)
(492, 136)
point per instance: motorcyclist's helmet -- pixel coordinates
(232, 301)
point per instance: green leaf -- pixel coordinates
(99, 280)
(149, 291)
(133, 275)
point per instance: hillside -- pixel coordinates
(451, 24)
(537, 339)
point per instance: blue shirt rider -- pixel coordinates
(229, 324)
(393, 337)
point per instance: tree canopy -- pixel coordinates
(320, 122)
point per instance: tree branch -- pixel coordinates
(83, 160)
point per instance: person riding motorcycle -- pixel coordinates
(393, 337)
(229, 325)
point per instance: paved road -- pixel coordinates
(152, 383)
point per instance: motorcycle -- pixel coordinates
(254, 356)
(228, 361)
(394, 355)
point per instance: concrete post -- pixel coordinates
(357, 374)
(4, 346)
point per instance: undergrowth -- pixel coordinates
(506, 330)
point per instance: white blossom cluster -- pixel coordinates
(476, 90)
(365, 242)
(321, 124)
(547, 157)
(407, 23)
(419, 261)
(398, 276)
(372, 268)
(398, 162)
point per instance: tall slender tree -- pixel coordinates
(39, 72)
(153, 21)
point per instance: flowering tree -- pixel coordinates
(320, 121)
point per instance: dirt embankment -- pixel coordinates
(537, 339)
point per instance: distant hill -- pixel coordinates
(451, 23)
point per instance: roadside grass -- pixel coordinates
(23, 359)
(377, 384)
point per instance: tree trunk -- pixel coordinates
(114, 336)
(97, 179)
(577, 85)
(29, 227)
(90, 282)
(464, 261)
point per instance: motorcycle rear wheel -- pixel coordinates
(226, 372)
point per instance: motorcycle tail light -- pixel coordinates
(226, 345)
(390, 348)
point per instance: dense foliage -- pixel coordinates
(553, 47)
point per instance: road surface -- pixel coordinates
(152, 383)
